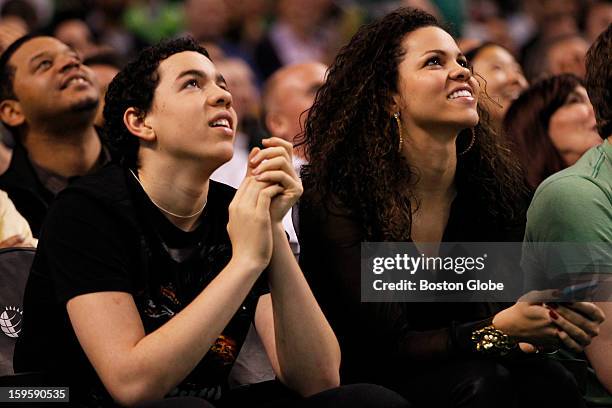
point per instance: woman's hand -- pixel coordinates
(274, 165)
(528, 322)
(546, 327)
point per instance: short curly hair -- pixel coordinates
(598, 79)
(134, 87)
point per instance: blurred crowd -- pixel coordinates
(254, 38)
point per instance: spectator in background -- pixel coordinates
(598, 16)
(76, 34)
(552, 19)
(301, 33)
(11, 28)
(501, 77)
(564, 54)
(21, 10)
(288, 95)
(48, 99)
(105, 66)
(241, 82)
(551, 125)
(14, 229)
(208, 21)
(575, 205)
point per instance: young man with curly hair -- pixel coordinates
(149, 274)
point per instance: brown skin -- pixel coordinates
(51, 114)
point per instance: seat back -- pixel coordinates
(15, 264)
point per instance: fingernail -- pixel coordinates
(553, 314)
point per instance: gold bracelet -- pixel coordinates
(490, 340)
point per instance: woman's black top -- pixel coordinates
(379, 340)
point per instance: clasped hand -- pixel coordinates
(270, 188)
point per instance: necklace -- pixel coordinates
(162, 208)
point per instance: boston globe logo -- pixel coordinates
(10, 321)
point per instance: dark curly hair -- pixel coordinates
(134, 86)
(598, 79)
(351, 141)
(526, 125)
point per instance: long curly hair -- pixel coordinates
(527, 125)
(351, 141)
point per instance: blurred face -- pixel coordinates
(294, 94)
(104, 74)
(50, 81)
(241, 81)
(503, 79)
(192, 114)
(598, 19)
(75, 34)
(572, 127)
(437, 92)
(568, 56)
(206, 19)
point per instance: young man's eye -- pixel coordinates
(192, 83)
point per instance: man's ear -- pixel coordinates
(135, 121)
(11, 113)
(276, 124)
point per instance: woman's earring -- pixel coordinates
(467, 149)
(399, 130)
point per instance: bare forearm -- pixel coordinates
(160, 360)
(307, 349)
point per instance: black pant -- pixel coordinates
(272, 394)
(529, 382)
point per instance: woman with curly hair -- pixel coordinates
(551, 125)
(400, 151)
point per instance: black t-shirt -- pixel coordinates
(91, 243)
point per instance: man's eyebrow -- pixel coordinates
(48, 53)
(40, 54)
(221, 79)
(191, 72)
